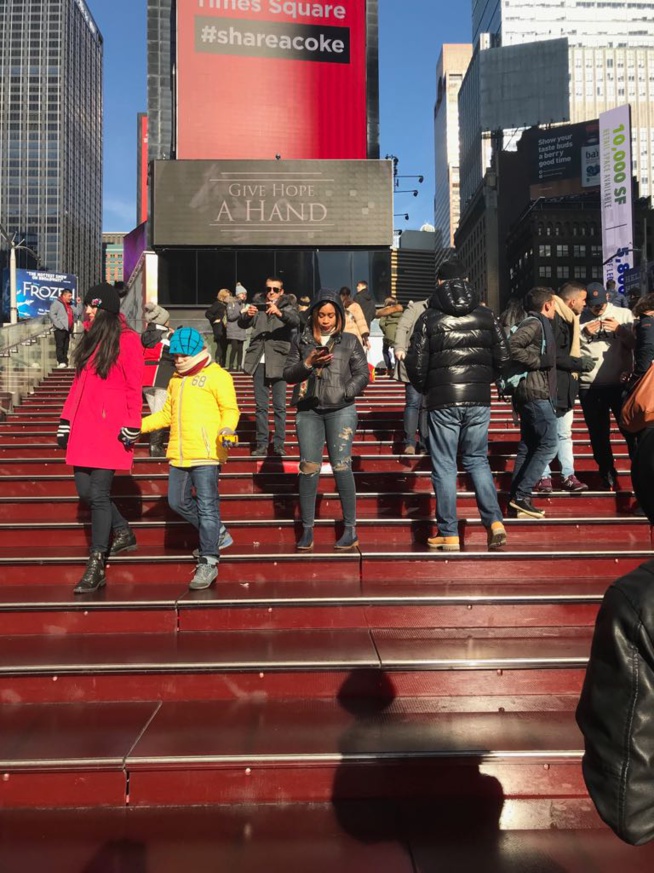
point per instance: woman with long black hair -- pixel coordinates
(100, 422)
(329, 369)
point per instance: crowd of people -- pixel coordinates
(545, 352)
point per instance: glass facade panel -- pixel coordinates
(192, 277)
(51, 133)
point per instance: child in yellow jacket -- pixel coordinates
(202, 414)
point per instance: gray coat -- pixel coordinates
(234, 330)
(405, 328)
(271, 336)
(57, 314)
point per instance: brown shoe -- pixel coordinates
(444, 544)
(496, 536)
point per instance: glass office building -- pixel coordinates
(51, 133)
(591, 23)
(610, 62)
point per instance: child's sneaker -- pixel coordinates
(205, 575)
(226, 540)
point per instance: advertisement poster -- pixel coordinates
(260, 78)
(271, 203)
(35, 291)
(565, 159)
(617, 206)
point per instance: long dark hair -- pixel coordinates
(100, 342)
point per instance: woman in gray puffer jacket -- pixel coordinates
(329, 369)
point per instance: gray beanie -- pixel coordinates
(155, 314)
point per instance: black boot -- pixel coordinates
(157, 444)
(93, 577)
(124, 541)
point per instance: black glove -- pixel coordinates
(63, 433)
(587, 364)
(129, 435)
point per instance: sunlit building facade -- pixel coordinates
(51, 133)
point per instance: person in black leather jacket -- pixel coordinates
(616, 709)
(456, 352)
(329, 369)
(644, 329)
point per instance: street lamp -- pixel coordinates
(619, 254)
(404, 215)
(13, 248)
(414, 191)
(420, 179)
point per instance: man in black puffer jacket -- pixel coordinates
(456, 352)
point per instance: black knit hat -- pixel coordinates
(104, 296)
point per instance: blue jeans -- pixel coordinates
(415, 417)
(262, 389)
(564, 449)
(538, 445)
(336, 427)
(463, 428)
(201, 509)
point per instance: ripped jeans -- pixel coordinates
(336, 428)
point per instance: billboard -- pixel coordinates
(141, 167)
(134, 244)
(273, 203)
(259, 78)
(617, 205)
(522, 85)
(564, 160)
(35, 291)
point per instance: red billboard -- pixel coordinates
(142, 168)
(257, 79)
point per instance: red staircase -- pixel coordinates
(387, 710)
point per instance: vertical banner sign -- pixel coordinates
(142, 168)
(617, 206)
(257, 79)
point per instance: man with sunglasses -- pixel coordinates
(607, 337)
(273, 322)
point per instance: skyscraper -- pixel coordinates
(591, 23)
(51, 132)
(610, 58)
(450, 70)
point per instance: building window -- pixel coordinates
(579, 251)
(545, 272)
(562, 251)
(579, 272)
(545, 251)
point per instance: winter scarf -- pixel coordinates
(193, 364)
(569, 316)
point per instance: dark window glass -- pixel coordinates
(215, 271)
(253, 266)
(295, 268)
(177, 277)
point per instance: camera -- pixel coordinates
(262, 307)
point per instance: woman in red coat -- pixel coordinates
(100, 421)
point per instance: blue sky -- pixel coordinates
(411, 33)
